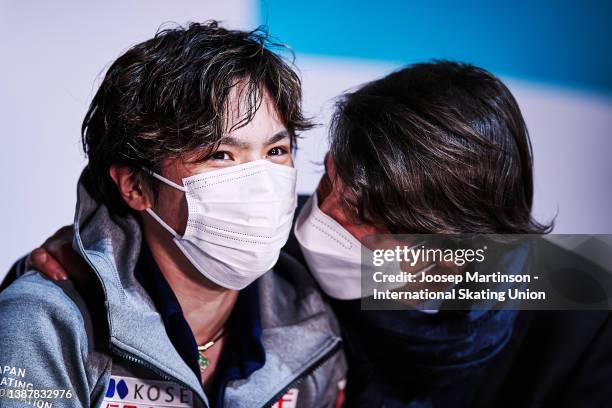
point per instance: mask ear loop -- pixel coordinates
(162, 222)
(165, 180)
(151, 212)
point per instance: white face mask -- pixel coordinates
(239, 218)
(334, 255)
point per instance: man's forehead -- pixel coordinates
(244, 99)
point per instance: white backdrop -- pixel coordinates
(53, 54)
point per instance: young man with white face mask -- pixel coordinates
(182, 210)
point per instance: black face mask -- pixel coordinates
(409, 349)
(432, 347)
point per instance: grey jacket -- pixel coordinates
(106, 346)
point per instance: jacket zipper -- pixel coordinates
(131, 358)
(308, 371)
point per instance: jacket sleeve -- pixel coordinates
(16, 270)
(43, 346)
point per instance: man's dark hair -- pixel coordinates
(167, 97)
(436, 147)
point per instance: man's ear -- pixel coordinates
(130, 187)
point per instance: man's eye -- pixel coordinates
(277, 151)
(220, 156)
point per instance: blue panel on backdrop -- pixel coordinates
(562, 42)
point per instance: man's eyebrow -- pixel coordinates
(232, 141)
(240, 144)
(283, 134)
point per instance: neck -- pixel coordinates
(206, 305)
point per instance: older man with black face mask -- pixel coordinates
(397, 164)
(442, 148)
